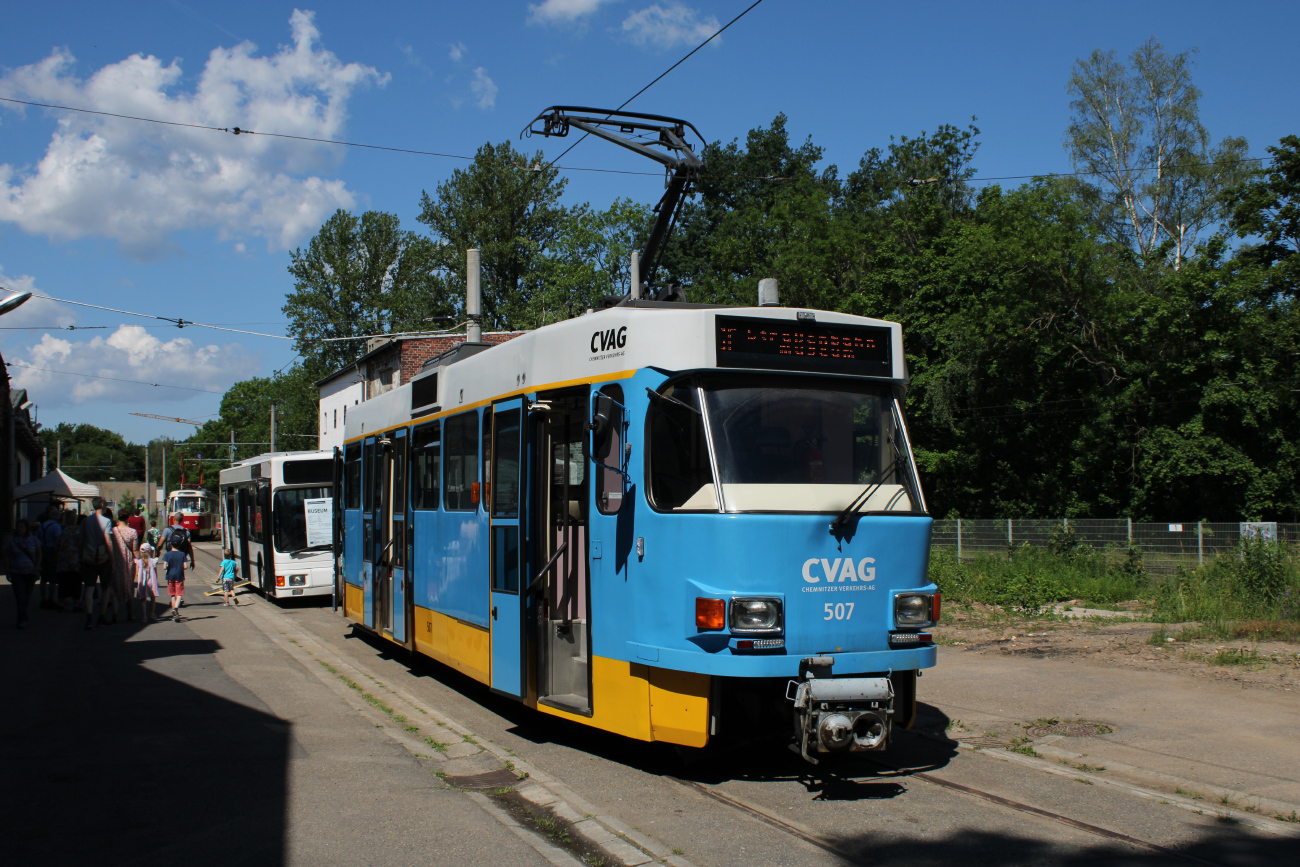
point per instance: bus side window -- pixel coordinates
(609, 484)
(461, 467)
(426, 461)
(352, 477)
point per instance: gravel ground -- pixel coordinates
(1122, 639)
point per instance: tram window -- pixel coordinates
(426, 454)
(369, 458)
(461, 436)
(609, 484)
(352, 476)
(399, 475)
(486, 475)
(505, 478)
(676, 449)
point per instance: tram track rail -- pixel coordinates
(829, 845)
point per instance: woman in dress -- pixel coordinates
(126, 547)
(67, 564)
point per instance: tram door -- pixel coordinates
(397, 580)
(562, 590)
(505, 492)
(370, 490)
(382, 581)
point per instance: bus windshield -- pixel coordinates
(808, 445)
(290, 516)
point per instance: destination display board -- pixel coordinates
(813, 347)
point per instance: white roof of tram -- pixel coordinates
(669, 337)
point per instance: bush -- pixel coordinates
(1260, 580)
(1029, 580)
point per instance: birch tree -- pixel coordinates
(1152, 177)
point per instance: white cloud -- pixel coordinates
(138, 183)
(36, 312)
(132, 353)
(667, 27)
(456, 52)
(561, 11)
(483, 88)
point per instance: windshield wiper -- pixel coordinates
(324, 547)
(657, 396)
(861, 499)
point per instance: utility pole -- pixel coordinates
(272, 428)
(232, 446)
(161, 518)
(148, 491)
(58, 456)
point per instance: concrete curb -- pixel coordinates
(623, 844)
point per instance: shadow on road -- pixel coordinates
(129, 745)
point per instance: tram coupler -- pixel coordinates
(839, 715)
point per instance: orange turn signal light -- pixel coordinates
(279, 580)
(710, 613)
(473, 492)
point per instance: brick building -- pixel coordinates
(387, 363)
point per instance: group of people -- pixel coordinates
(112, 557)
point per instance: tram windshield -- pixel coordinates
(290, 516)
(781, 445)
(186, 504)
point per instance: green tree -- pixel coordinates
(759, 210)
(1155, 181)
(591, 260)
(1266, 208)
(507, 205)
(362, 276)
(90, 453)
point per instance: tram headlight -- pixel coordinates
(755, 614)
(913, 609)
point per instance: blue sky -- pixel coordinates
(198, 225)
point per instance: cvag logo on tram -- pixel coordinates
(612, 338)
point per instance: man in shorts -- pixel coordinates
(174, 560)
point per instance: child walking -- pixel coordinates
(229, 574)
(146, 582)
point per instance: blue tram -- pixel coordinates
(661, 519)
(664, 520)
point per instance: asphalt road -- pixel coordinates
(923, 802)
(203, 743)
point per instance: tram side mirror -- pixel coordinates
(606, 418)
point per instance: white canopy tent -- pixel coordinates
(56, 485)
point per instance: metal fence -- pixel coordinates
(1163, 546)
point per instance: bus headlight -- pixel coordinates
(756, 614)
(913, 609)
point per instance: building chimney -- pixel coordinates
(767, 294)
(473, 298)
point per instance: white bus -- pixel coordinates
(277, 518)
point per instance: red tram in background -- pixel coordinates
(198, 510)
